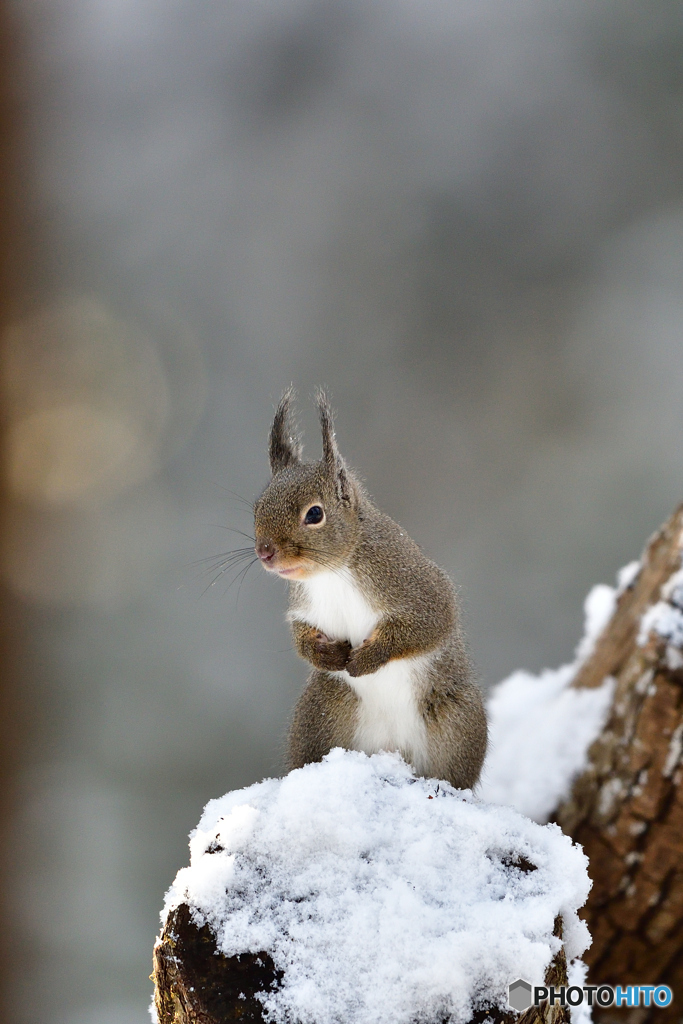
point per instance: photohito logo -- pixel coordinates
(521, 995)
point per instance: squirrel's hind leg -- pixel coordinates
(324, 718)
(456, 734)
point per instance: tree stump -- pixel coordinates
(196, 984)
(626, 809)
(352, 890)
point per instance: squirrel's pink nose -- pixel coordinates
(265, 549)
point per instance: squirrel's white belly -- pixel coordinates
(337, 607)
(388, 715)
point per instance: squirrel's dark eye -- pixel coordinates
(314, 515)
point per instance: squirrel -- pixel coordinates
(377, 620)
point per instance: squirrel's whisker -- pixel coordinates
(223, 566)
(245, 501)
(341, 571)
(223, 554)
(220, 526)
(218, 567)
(243, 573)
(235, 494)
(215, 579)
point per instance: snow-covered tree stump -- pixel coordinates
(195, 984)
(352, 891)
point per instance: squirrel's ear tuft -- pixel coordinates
(331, 458)
(284, 446)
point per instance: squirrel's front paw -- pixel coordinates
(330, 654)
(365, 659)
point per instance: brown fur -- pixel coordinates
(415, 599)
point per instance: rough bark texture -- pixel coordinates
(194, 984)
(627, 808)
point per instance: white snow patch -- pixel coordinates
(665, 620)
(674, 658)
(598, 609)
(540, 727)
(540, 730)
(627, 576)
(577, 974)
(385, 898)
(673, 756)
(611, 791)
(672, 590)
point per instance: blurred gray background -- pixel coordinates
(465, 217)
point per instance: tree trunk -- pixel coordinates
(626, 810)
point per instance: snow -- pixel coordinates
(666, 618)
(577, 974)
(673, 589)
(540, 730)
(540, 727)
(674, 658)
(598, 609)
(673, 756)
(627, 575)
(385, 898)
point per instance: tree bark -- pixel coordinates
(626, 809)
(194, 984)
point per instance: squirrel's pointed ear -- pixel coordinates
(331, 458)
(284, 446)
